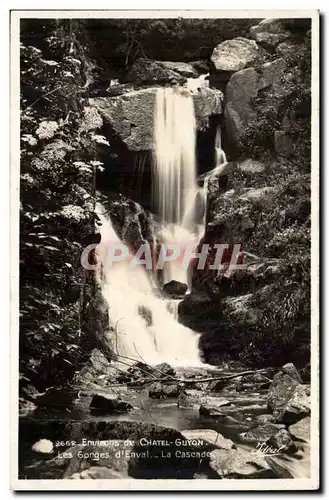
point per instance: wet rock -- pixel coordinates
(239, 463)
(233, 55)
(108, 404)
(43, 446)
(165, 368)
(146, 314)
(282, 441)
(185, 69)
(240, 92)
(171, 390)
(175, 288)
(189, 399)
(98, 473)
(291, 370)
(210, 411)
(130, 115)
(297, 407)
(146, 72)
(211, 437)
(201, 66)
(301, 430)
(281, 389)
(260, 434)
(159, 390)
(270, 32)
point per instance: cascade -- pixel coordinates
(156, 335)
(127, 291)
(176, 196)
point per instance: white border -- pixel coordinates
(157, 484)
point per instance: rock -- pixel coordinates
(43, 446)
(175, 288)
(146, 314)
(291, 370)
(155, 390)
(282, 441)
(279, 467)
(239, 463)
(131, 115)
(159, 390)
(108, 404)
(240, 92)
(98, 473)
(185, 69)
(260, 434)
(282, 144)
(270, 32)
(146, 72)
(281, 390)
(288, 48)
(201, 66)
(165, 368)
(233, 55)
(301, 430)
(297, 407)
(213, 438)
(210, 411)
(171, 390)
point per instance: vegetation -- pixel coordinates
(58, 170)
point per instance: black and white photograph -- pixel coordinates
(164, 188)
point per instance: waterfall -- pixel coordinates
(176, 196)
(174, 153)
(145, 323)
(153, 337)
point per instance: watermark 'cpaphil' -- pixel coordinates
(218, 256)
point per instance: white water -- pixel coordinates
(126, 290)
(176, 196)
(181, 206)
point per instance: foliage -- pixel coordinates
(58, 168)
(272, 106)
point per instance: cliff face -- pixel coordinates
(261, 200)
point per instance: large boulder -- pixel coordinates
(108, 404)
(270, 32)
(175, 288)
(298, 406)
(209, 437)
(242, 89)
(233, 55)
(148, 72)
(261, 434)
(281, 390)
(240, 463)
(131, 115)
(301, 430)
